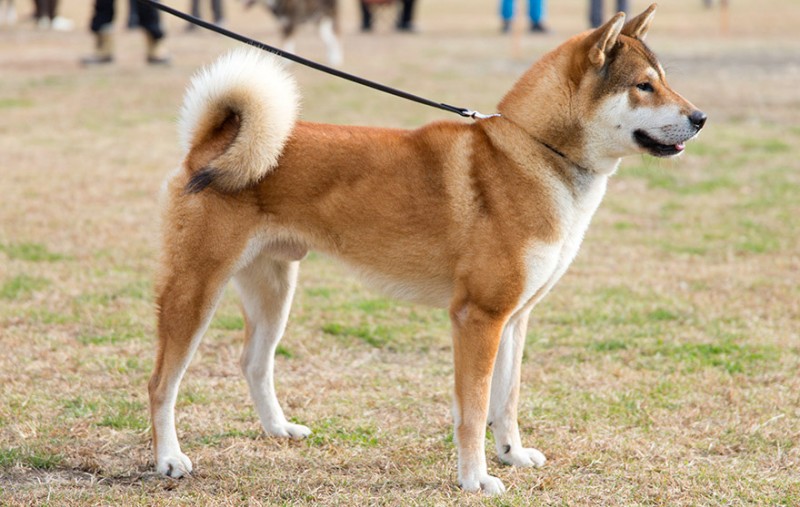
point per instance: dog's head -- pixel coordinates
(638, 111)
(612, 100)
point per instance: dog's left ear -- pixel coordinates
(603, 39)
(638, 26)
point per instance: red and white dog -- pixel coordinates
(482, 218)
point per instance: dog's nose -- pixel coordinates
(698, 119)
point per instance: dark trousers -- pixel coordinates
(403, 21)
(149, 19)
(216, 9)
(596, 11)
(406, 14)
(45, 9)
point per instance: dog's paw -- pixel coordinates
(288, 430)
(522, 457)
(174, 466)
(489, 484)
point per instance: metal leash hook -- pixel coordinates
(467, 113)
(475, 115)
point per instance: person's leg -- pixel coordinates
(366, 17)
(103, 16)
(595, 13)
(102, 26)
(150, 20)
(133, 16)
(506, 13)
(536, 12)
(216, 11)
(405, 23)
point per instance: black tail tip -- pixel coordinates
(201, 180)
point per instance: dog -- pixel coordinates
(480, 218)
(291, 13)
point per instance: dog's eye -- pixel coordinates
(645, 87)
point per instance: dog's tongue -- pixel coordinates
(680, 146)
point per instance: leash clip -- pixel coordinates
(475, 115)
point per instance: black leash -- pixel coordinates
(467, 113)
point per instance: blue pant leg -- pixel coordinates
(507, 9)
(536, 10)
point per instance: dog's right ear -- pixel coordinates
(601, 41)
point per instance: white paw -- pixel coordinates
(288, 430)
(490, 485)
(174, 466)
(522, 457)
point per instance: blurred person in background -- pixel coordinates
(46, 16)
(536, 13)
(102, 26)
(216, 13)
(405, 21)
(596, 11)
(8, 12)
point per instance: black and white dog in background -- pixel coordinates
(291, 13)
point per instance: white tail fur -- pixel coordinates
(236, 117)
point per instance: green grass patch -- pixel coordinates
(124, 415)
(113, 337)
(756, 238)
(766, 146)
(376, 336)
(217, 438)
(21, 286)
(48, 317)
(228, 322)
(34, 252)
(78, 408)
(318, 292)
(15, 103)
(280, 350)
(333, 431)
(29, 458)
(730, 357)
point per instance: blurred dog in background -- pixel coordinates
(292, 13)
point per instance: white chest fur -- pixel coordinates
(547, 262)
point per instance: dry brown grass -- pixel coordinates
(662, 371)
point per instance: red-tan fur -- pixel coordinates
(448, 214)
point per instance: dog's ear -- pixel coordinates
(638, 26)
(602, 40)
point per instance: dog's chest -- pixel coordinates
(547, 262)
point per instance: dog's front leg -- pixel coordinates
(505, 397)
(476, 335)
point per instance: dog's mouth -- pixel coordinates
(656, 148)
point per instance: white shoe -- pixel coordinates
(60, 24)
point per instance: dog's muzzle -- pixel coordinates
(659, 148)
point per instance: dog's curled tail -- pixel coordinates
(236, 118)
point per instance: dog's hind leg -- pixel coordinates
(266, 287)
(328, 32)
(505, 397)
(186, 301)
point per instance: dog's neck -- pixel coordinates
(549, 117)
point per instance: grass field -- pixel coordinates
(662, 370)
